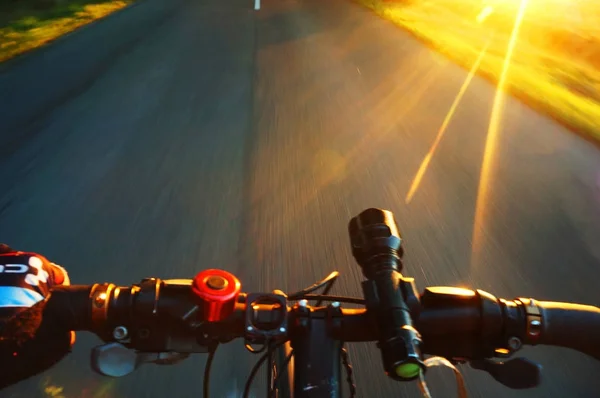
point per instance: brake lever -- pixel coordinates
(516, 373)
(116, 360)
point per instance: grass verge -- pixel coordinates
(548, 74)
(28, 24)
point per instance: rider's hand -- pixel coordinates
(27, 345)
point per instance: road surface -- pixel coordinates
(242, 139)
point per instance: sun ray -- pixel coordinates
(492, 141)
(425, 163)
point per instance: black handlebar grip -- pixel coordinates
(574, 326)
(70, 307)
(377, 248)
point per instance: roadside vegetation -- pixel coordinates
(555, 65)
(27, 24)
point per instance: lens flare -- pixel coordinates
(491, 144)
(425, 163)
(486, 12)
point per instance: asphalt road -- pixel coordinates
(241, 139)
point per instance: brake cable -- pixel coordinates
(207, 367)
(349, 372)
(440, 361)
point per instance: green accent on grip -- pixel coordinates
(408, 370)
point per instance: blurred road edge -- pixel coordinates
(35, 83)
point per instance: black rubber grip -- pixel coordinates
(574, 326)
(71, 307)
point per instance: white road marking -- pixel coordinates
(257, 4)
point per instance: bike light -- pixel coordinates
(376, 242)
(400, 352)
(377, 248)
(217, 292)
(408, 371)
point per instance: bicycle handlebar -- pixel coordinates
(574, 326)
(453, 322)
(188, 316)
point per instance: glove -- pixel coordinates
(29, 344)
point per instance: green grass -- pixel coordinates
(546, 75)
(27, 24)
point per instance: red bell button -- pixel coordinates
(217, 292)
